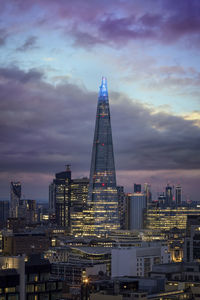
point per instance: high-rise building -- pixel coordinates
(136, 210)
(121, 206)
(102, 196)
(15, 195)
(79, 195)
(162, 199)
(192, 239)
(178, 195)
(27, 210)
(148, 194)
(62, 193)
(169, 195)
(67, 200)
(137, 188)
(4, 212)
(52, 198)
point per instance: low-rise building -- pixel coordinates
(137, 261)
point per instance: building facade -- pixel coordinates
(136, 210)
(67, 200)
(79, 194)
(178, 195)
(102, 197)
(60, 197)
(15, 195)
(168, 218)
(137, 261)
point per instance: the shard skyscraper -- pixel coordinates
(102, 197)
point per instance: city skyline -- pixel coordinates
(48, 79)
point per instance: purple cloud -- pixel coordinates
(44, 127)
(3, 36)
(29, 44)
(118, 22)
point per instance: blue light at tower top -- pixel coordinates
(103, 90)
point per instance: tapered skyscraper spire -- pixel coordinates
(102, 197)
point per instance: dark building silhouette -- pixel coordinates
(168, 195)
(178, 195)
(15, 195)
(4, 212)
(137, 188)
(121, 206)
(62, 192)
(148, 194)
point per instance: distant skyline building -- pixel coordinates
(136, 208)
(137, 188)
(15, 196)
(61, 196)
(4, 212)
(169, 195)
(121, 206)
(148, 194)
(102, 197)
(178, 194)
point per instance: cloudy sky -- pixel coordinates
(52, 57)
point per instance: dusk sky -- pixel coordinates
(53, 54)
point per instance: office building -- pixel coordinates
(27, 210)
(102, 196)
(23, 242)
(28, 278)
(52, 202)
(137, 188)
(67, 200)
(15, 195)
(192, 239)
(167, 218)
(178, 195)
(79, 194)
(148, 194)
(121, 206)
(168, 195)
(4, 212)
(162, 199)
(137, 261)
(136, 210)
(60, 197)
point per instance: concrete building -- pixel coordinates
(137, 261)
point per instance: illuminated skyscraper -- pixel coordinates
(62, 194)
(102, 196)
(15, 195)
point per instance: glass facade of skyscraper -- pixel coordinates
(102, 214)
